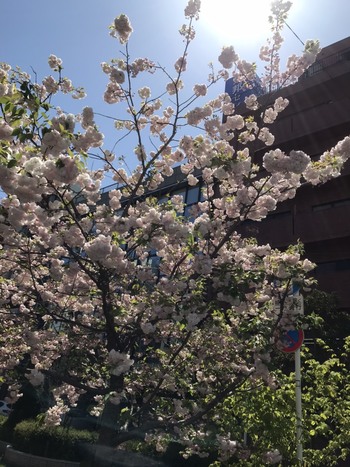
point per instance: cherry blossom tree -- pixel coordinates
(83, 308)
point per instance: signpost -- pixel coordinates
(291, 341)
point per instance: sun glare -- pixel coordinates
(236, 21)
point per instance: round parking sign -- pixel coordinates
(290, 341)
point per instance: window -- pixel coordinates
(332, 204)
(277, 215)
(192, 195)
(333, 266)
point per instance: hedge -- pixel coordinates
(54, 442)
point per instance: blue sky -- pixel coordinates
(77, 32)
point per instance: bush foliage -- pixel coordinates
(54, 442)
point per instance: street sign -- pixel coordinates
(290, 341)
(239, 90)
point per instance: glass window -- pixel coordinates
(179, 192)
(321, 207)
(278, 215)
(334, 204)
(163, 199)
(189, 213)
(192, 195)
(343, 202)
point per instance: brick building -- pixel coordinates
(317, 117)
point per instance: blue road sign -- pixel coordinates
(238, 91)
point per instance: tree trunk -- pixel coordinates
(109, 424)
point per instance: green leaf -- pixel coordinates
(17, 131)
(16, 123)
(12, 163)
(59, 163)
(8, 107)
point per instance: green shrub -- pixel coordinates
(3, 420)
(54, 442)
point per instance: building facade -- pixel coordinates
(317, 117)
